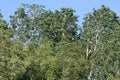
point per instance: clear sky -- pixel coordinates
(82, 7)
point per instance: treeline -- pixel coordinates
(40, 44)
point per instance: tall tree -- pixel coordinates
(101, 31)
(33, 23)
(24, 22)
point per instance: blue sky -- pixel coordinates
(82, 7)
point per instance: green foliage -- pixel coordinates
(33, 22)
(12, 61)
(63, 63)
(3, 24)
(25, 25)
(73, 63)
(60, 25)
(45, 45)
(100, 30)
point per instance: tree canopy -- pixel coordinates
(41, 44)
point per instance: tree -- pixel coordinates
(73, 64)
(100, 31)
(12, 61)
(25, 25)
(57, 27)
(33, 23)
(63, 63)
(60, 25)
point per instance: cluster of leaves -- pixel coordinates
(49, 45)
